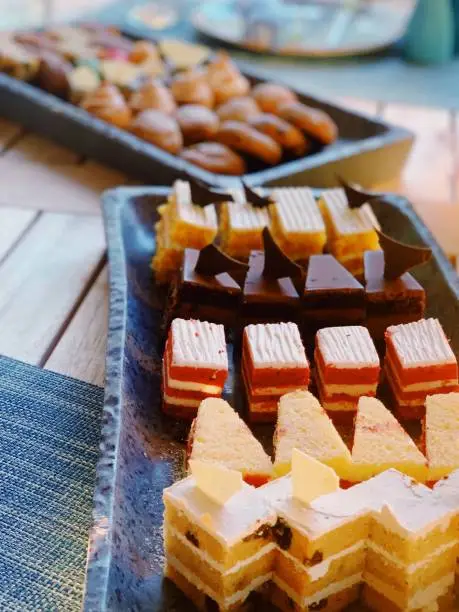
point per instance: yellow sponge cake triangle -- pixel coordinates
(380, 443)
(302, 423)
(219, 435)
(441, 434)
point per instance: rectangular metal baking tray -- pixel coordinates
(142, 451)
(369, 151)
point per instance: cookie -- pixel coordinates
(314, 122)
(159, 129)
(246, 139)
(82, 80)
(215, 157)
(239, 109)
(269, 96)
(191, 87)
(146, 55)
(286, 135)
(197, 123)
(153, 95)
(182, 55)
(121, 73)
(107, 103)
(226, 79)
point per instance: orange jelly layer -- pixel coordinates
(334, 375)
(419, 374)
(197, 374)
(183, 393)
(403, 396)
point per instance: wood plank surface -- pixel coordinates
(13, 225)
(81, 350)
(43, 280)
(8, 132)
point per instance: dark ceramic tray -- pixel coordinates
(142, 451)
(368, 151)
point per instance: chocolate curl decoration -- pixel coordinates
(400, 257)
(254, 199)
(212, 261)
(277, 263)
(202, 194)
(355, 195)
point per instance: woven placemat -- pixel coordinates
(49, 435)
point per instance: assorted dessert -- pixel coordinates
(175, 95)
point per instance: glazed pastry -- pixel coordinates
(286, 135)
(247, 139)
(314, 122)
(53, 73)
(153, 95)
(146, 55)
(215, 157)
(17, 61)
(226, 79)
(159, 129)
(197, 123)
(191, 87)
(82, 80)
(269, 96)
(108, 103)
(239, 109)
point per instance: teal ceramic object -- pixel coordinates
(430, 36)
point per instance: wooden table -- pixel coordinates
(53, 275)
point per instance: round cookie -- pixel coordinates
(159, 129)
(153, 95)
(246, 139)
(107, 103)
(197, 122)
(215, 157)
(191, 87)
(239, 109)
(288, 136)
(269, 96)
(314, 122)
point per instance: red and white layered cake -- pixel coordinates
(347, 367)
(419, 362)
(195, 366)
(274, 362)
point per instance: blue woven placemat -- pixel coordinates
(49, 435)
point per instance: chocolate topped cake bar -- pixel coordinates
(390, 302)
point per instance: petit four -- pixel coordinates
(195, 366)
(183, 223)
(191, 87)
(419, 362)
(315, 122)
(158, 128)
(296, 222)
(274, 362)
(290, 138)
(269, 96)
(207, 286)
(197, 123)
(270, 289)
(350, 231)
(107, 103)
(380, 443)
(214, 157)
(441, 434)
(247, 140)
(241, 226)
(239, 109)
(347, 367)
(152, 94)
(225, 78)
(302, 423)
(219, 435)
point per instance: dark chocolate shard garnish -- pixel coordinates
(203, 194)
(277, 263)
(356, 196)
(400, 257)
(257, 201)
(213, 261)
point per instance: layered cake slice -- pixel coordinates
(302, 423)
(347, 367)
(350, 231)
(380, 443)
(241, 225)
(219, 435)
(274, 362)
(441, 434)
(183, 223)
(419, 362)
(217, 537)
(296, 222)
(195, 366)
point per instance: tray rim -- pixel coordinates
(99, 545)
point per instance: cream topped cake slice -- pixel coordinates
(380, 442)
(218, 537)
(297, 223)
(274, 362)
(241, 226)
(350, 231)
(419, 362)
(302, 423)
(441, 434)
(195, 366)
(347, 367)
(219, 435)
